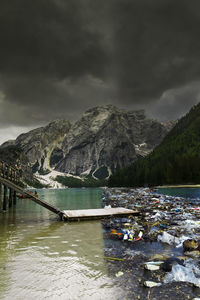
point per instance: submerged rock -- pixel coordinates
(153, 265)
(170, 262)
(190, 245)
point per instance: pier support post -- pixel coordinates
(14, 197)
(5, 197)
(10, 197)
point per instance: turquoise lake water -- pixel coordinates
(42, 257)
(192, 193)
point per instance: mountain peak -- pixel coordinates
(103, 140)
(106, 139)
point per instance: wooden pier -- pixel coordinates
(10, 180)
(98, 213)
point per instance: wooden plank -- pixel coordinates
(82, 214)
(20, 190)
(5, 198)
(10, 197)
(98, 213)
(14, 197)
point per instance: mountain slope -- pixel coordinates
(104, 140)
(36, 146)
(176, 160)
(107, 139)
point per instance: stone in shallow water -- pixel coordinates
(190, 245)
(119, 274)
(153, 265)
(151, 284)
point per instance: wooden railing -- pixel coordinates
(9, 187)
(9, 172)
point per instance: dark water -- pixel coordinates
(44, 258)
(192, 193)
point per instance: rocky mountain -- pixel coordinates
(103, 140)
(106, 139)
(175, 161)
(37, 145)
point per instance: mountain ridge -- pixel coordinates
(103, 140)
(112, 137)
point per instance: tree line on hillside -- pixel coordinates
(175, 161)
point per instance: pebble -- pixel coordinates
(151, 267)
(151, 284)
(119, 274)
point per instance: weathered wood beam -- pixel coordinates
(5, 198)
(10, 197)
(14, 198)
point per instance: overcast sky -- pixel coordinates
(60, 57)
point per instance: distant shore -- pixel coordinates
(178, 186)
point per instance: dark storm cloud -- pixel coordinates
(43, 43)
(60, 57)
(48, 38)
(157, 46)
(174, 103)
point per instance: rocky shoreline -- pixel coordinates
(156, 254)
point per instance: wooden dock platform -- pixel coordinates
(10, 179)
(99, 213)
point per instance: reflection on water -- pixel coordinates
(43, 258)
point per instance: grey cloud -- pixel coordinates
(175, 103)
(157, 47)
(43, 45)
(48, 38)
(52, 99)
(58, 57)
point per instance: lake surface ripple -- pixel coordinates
(44, 258)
